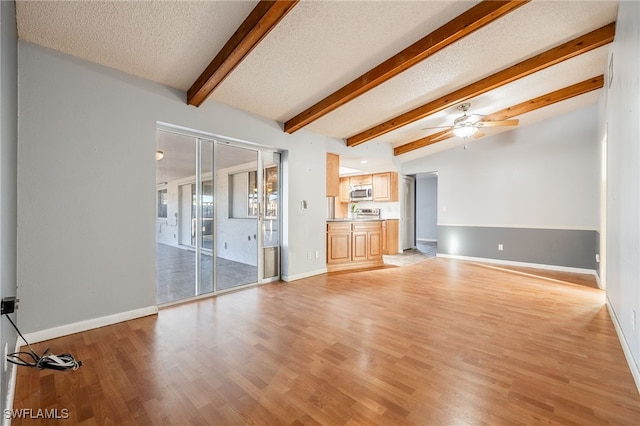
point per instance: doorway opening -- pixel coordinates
(427, 213)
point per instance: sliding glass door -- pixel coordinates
(217, 226)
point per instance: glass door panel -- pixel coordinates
(237, 208)
(270, 221)
(205, 219)
(175, 251)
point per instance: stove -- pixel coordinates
(367, 213)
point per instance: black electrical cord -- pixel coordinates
(45, 362)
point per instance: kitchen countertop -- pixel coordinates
(345, 219)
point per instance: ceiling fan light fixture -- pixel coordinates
(159, 155)
(464, 131)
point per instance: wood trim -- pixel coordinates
(422, 142)
(519, 109)
(570, 49)
(577, 89)
(262, 19)
(454, 30)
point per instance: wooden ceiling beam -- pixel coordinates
(262, 19)
(570, 49)
(513, 111)
(478, 16)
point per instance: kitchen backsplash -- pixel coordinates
(388, 210)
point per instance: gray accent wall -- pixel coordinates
(8, 179)
(556, 247)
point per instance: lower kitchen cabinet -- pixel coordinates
(353, 245)
(338, 243)
(390, 230)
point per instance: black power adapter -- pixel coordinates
(30, 358)
(9, 305)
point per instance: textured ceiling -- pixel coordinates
(319, 46)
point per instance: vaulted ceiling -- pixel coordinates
(362, 71)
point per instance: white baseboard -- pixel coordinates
(522, 264)
(635, 369)
(77, 327)
(426, 240)
(289, 278)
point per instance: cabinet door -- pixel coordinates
(374, 239)
(384, 238)
(359, 245)
(391, 236)
(385, 186)
(361, 180)
(333, 184)
(338, 247)
(345, 190)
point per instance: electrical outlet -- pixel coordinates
(597, 257)
(225, 244)
(317, 254)
(500, 247)
(308, 255)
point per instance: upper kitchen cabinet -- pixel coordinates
(333, 175)
(385, 186)
(361, 180)
(345, 189)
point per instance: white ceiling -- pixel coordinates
(319, 46)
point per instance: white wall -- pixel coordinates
(540, 176)
(8, 175)
(623, 180)
(86, 168)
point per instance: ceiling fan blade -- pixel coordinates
(479, 134)
(497, 123)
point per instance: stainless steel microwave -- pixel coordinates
(361, 193)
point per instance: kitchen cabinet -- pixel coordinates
(338, 243)
(361, 180)
(390, 231)
(345, 189)
(354, 245)
(385, 186)
(333, 175)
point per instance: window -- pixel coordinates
(162, 203)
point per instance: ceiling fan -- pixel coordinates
(470, 125)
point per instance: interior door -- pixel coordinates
(408, 213)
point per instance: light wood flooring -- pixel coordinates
(440, 342)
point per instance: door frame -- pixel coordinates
(260, 149)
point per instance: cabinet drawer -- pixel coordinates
(367, 226)
(338, 226)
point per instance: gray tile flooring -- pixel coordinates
(176, 273)
(423, 250)
(176, 270)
